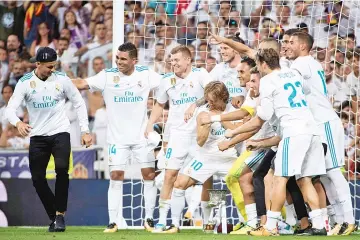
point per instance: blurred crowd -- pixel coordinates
(82, 33)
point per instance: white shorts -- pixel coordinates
(255, 158)
(333, 134)
(119, 155)
(202, 167)
(300, 156)
(180, 148)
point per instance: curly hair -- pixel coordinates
(270, 57)
(218, 90)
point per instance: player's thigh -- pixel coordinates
(118, 156)
(61, 149)
(39, 155)
(178, 149)
(254, 160)
(199, 168)
(223, 165)
(237, 166)
(291, 154)
(334, 134)
(314, 162)
(142, 155)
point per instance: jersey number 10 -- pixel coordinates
(293, 94)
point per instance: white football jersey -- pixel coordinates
(281, 93)
(45, 102)
(315, 88)
(181, 93)
(224, 73)
(285, 63)
(217, 135)
(126, 102)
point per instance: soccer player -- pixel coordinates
(44, 91)
(329, 123)
(227, 73)
(126, 90)
(300, 151)
(181, 88)
(208, 160)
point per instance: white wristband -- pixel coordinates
(215, 118)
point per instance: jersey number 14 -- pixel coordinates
(294, 91)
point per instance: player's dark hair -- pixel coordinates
(183, 49)
(291, 31)
(357, 53)
(270, 57)
(305, 38)
(64, 39)
(218, 90)
(130, 48)
(250, 62)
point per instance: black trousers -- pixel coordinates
(41, 148)
(291, 186)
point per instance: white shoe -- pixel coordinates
(159, 228)
(284, 228)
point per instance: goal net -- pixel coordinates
(157, 26)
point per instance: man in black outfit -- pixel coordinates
(44, 91)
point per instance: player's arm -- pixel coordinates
(14, 103)
(231, 116)
(78, 103)
(94, 83)
(253, 125)
(202, 131)
(253, 145)
(155, 114)
(235, 140)
(237, 46)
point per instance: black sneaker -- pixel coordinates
(304, 232)
(59, 223)
(149, 225)
(51, 227)
(319, 232)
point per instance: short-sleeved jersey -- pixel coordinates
(181, 93)
(45, 102)
(216, 135)
(315, 88)
(224, 73)
(281, 93)
(285, 63)
(126, 102)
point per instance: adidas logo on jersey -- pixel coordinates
(117, 85)
(33, 91)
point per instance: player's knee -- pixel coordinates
(148, 174)
(117, 175)
(170, 176)
(181, 182)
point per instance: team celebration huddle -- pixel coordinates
(268, 128)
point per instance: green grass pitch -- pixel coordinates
(95, 233)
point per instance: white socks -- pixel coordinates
(331, 214)
(332, 197)
(251, 213)
(205, 211)
(195, 199)
(290, 214)
(115, 200)
(164, 206)
(177, 205)
(272, 220)
(325, 216)
(343, 194)
(317, 218)
(150, 192)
